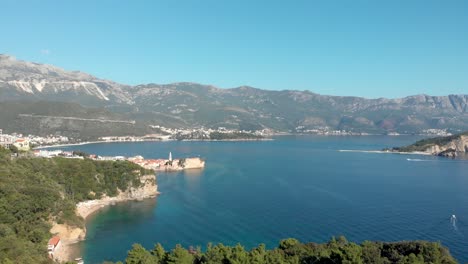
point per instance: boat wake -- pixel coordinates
(417, 160)
(385, 152)
(363, 151)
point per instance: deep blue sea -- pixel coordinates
(301, 187)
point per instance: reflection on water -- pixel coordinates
(193, 173)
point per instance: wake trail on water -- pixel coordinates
(364, 151)
(454, 225)
(383, 152)
(453, 222)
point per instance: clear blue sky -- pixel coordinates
(348, 47)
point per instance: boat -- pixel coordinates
(79, 261)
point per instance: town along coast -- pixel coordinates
(169, 164)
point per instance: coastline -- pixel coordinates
(146, 140)
(215, 140)
(70, 236)
(88, 208)
(93, 142)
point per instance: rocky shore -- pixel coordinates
(451, 149)
(70, 235)
(451, 146)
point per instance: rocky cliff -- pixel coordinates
(459, 144)
(451, 149)
(450, 146)
(148, 189)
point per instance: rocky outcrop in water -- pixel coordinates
(449, 153)
(459, 144)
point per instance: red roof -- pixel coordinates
(54, 241)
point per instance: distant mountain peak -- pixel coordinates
(246, 107)
(6, 57)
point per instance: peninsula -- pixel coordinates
(449, 146)
(149, 164)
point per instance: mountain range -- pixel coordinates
(29, 91)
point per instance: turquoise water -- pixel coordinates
(302, 187)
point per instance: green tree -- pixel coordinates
(158, 253)
(180, 255)
(139, 255)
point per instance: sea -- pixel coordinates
(306, 187)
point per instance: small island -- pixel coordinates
(449, 146)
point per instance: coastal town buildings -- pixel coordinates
(22, 144)
(8, 140)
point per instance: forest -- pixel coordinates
(291, 251)
(34, 192)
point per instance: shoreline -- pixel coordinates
(146, 140)
(70, 236)
(213, 140)
(92, 142)
(90, 207)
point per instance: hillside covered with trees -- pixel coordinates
(34, 192)
(291, 251)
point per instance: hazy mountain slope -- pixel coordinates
(191, 104)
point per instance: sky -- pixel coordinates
(348, 47)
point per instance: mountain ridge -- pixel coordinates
(191, 104)
(87, 76)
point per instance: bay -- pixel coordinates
(301, 187)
